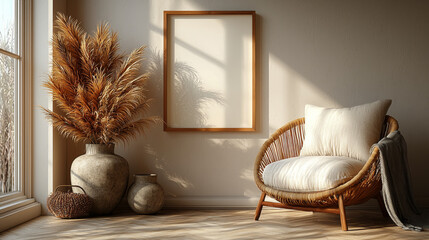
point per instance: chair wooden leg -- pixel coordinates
(382, 206)
(343, 219)
(259, 207)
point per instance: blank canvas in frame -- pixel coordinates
(209, 71)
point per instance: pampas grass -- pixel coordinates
(101, 92)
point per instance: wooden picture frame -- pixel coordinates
(209, 71)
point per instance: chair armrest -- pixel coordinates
(286, 142)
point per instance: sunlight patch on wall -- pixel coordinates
(290, 91)
(240, 144)
(160, 164)
(247, 174)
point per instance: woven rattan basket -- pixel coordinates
(66, 204)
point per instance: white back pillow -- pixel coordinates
(347, 132)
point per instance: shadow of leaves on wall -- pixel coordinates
(190, 97)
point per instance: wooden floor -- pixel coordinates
(216, 224)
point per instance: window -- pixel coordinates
(16, 204)
(10, 81)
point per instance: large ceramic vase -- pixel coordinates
(103, 175)
(145, 195)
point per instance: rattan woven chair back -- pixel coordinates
(287, 142)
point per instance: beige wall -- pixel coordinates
(328, 53)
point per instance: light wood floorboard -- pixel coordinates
(216, 224)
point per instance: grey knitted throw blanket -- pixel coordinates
(396, 187)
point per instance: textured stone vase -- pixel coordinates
(145, 195)
(103, 175)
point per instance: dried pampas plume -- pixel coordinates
(101, 92)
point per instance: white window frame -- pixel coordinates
(19, 206)
(18, 58)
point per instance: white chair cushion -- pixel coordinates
(347, 132)
(310, 173)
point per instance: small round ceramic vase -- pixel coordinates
(145, 195)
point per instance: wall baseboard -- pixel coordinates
(212, 202)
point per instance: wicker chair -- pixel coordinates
(287, 142)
